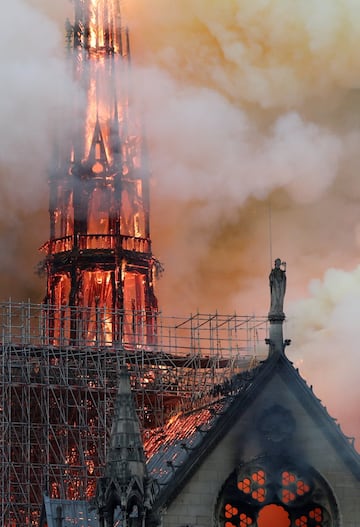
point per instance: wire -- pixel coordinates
(270, 232)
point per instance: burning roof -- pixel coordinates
(188, 438)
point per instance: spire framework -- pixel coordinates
(99, 253)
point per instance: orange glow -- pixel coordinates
(180, 426)
(105, 100)
(259, 477)
(245, 485)
(95, 33)
(91, 114)
(259, 494)
(173, 419)
(104, 24)
(245, 520)
(287, 478)
(230, 511)
(98, 216)
(273, 515)
(316, 514)
(287, 496)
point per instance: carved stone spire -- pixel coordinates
(125, 491)
(277, 282)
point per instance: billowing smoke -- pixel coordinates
(271, 54)
(251, 112)
(250, 116)
(35, 89)
(220, 166)
(35, 85)
(326, 335)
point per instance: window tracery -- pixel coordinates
(299, 494)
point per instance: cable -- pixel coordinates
(270, 232)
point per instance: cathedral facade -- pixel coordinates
(263, 453)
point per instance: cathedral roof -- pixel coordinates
(69, 512)
(175, 451)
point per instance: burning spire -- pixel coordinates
(99, 261)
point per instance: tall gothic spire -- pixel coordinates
(99, 262)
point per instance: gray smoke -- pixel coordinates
(35, 90)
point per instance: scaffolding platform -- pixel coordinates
(56, 399)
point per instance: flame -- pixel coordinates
(104, 25)
(92, 112)
(94, 28)
(104, 35)
(173, 419)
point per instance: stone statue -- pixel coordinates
(277, 279)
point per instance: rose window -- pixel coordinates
(258, 495)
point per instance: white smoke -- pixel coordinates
(205, 147)
(34, 93)
(210, 157)
(255, 104)
(326, 335)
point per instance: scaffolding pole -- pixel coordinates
(56, 400)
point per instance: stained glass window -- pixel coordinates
(258, 493)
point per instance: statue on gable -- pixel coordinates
(277, 279)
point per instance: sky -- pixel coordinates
(252, 114)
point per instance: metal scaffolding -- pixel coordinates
(56, 400)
